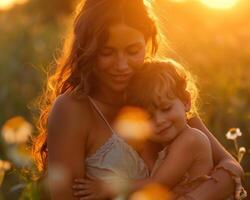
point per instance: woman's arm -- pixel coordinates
(227, 167)
(66, 146)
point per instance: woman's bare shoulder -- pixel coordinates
(67, 102)
(69, 112)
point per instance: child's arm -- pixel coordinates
(182, 154)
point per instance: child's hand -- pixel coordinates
(92, 189)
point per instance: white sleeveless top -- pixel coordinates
(115, 161)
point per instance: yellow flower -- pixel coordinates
(233, 133)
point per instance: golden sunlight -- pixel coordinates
(8, 4)
(179, 1)
(219, 4)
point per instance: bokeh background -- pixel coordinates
(210, 37)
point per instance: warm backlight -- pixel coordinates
(219, 4)
(7, 4)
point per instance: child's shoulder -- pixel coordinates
(194, 138)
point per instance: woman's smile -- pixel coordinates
(121, 77)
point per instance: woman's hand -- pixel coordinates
(92, 189)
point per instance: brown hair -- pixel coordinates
(162, 79)
(73, 68)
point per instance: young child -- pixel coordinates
(165, 91)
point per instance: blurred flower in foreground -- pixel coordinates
(16, 130)
(19, 154)
(16, 133)
(133, 124)
(233, 133)
(152, 192)
(4, 166)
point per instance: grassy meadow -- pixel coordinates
(214, 44)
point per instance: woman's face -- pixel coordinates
(123, 52)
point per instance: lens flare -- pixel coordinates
(58, 176)
(179, 1)
(8, 4)
(219, 4)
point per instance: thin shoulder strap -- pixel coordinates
(101, 114)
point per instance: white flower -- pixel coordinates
(241, 153)
(242, 150)
(16, 130)
(233, 133)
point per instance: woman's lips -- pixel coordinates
(121, 78)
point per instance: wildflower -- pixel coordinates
(233, 133)
(242, 150)
(19, 154)
(241, 153)
(16, 130)
(4, 166)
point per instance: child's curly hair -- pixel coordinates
(162, 79)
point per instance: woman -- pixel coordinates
(111, 40)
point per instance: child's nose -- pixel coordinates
(159, 118)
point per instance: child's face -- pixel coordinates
(169, 118)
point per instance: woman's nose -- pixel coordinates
(122, 63)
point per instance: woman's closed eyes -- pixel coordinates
(134, 49)
(106, 51)
(130, 50)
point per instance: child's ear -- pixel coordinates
(187, 102)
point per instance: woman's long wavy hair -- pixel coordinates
(73, 68)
